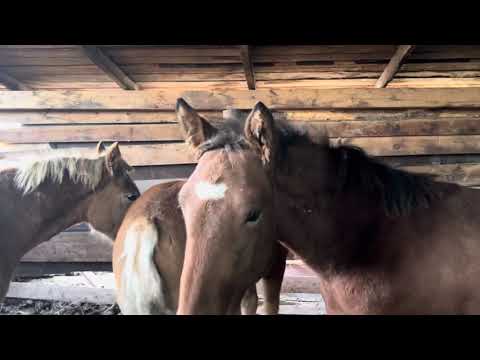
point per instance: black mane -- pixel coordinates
(399, 191)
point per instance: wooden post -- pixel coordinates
(391, 69)
(246, 56)
(99, 58)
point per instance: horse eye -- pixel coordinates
(253, 216)
(132, 197)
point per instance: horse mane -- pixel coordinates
(399, 191)
(57, 166)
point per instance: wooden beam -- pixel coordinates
(99, 58)
(11, 83)
(108, 117)
(246, 56)
(171, 132)
(366, 98)
(73, 294)
(164, 172)
(72, 247)
(96, 117)
(38, 269)
(179, 153)
(92, 133)
(394, 64)
(416, 145)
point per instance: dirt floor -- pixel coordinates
(43, 307)
(71, 286)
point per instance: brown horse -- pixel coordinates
(227, 204)
(382, 240)
(43, 196)
(148, 256)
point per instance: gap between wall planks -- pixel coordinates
(70, 117)
(178, 153)
(171, 132)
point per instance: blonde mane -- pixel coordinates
(56, 166)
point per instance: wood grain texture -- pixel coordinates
(243, 99)
(246, 56)
(59, 117)
(94, 117)
(71, 294)
(72, 247)
(11, 83)
(171, 132)
(92, 133)
(99, 58)
(417, 145)
(178, 153)
(393, 65)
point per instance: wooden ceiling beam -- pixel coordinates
(246, 56)
(103, 61)
(393, 65)
(11, 83)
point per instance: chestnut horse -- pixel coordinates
(43, 196)
(381, 240)
(148, 256)
(227, 205)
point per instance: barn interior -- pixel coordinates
(417, 107)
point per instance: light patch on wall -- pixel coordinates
(8, 126)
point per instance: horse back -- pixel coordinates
(431, 262)
(148, 252)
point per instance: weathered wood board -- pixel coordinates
(242, 99)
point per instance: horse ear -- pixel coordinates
(112, 156)
(195, 128)
(260, 131)
(100, 147)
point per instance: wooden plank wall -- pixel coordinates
(425, 130)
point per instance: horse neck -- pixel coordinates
(331, 231)
(49, 209)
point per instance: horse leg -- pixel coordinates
(250, 301)
(4, 285)
(272, 282)
(7, 271)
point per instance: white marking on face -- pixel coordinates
(207, 191)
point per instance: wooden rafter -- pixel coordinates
(246, 56)
(394, 64)
(11, 83)
(103, 61)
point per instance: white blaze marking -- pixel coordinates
(207, 191)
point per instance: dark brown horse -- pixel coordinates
(382, 241)
(42, 196)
